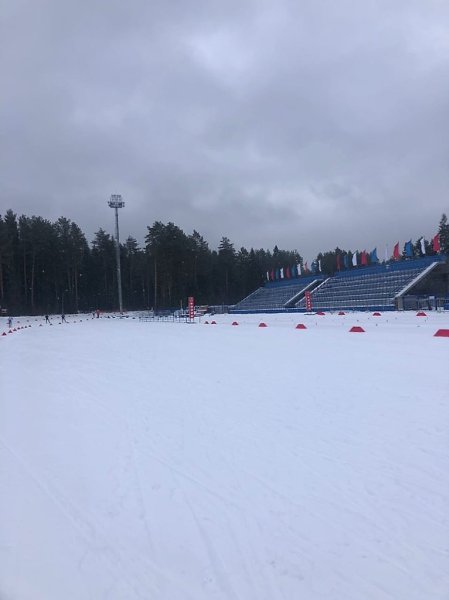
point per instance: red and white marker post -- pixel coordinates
(191, 305)
(308, 297)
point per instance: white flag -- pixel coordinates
(354, 259)
(282, 273)
(299, 268)
(387, 256)
(319, 266)
(423, 246)
(268, 276)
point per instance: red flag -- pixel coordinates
(436, 243)
(364, 259)
(396, 252)
(306, 268)
(338, 262)
(287, 272)
(272, 275)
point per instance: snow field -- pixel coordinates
(171, 461)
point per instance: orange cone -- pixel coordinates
(234, 323)
(263, 325)
(300, 326)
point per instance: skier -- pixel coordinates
(63, 320)
(10, 322)
(47, 320)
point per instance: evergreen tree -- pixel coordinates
(443, 232)
(44, 264)
(226, 266)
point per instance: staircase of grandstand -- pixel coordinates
(372, 288)
(276, 296)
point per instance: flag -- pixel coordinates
(396, 251)
(268, 276)
(354, 259)
(373, 256)
(387, 254)
(364, 258)
(282, 273)
(319, 265)
(277, 273)
(408, 250)
(346, 261)
(338, 262)
(298, 266)
(423, 246)
(272, 275)
(436, 243)
(287, 272)
(293, 271)
(306, 268)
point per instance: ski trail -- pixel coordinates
(216, 559)
(97, 542)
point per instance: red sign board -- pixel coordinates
(191, 307)
(308, 297)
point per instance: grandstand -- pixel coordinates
(397, 285)
(277, 296)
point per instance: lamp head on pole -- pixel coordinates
(116, 201)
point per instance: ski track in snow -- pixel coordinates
(175, 462)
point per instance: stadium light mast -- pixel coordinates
(117, 202)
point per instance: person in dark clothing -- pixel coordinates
(63, 319)
(47, 320)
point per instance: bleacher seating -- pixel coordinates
(368, 288)
(274, 296)
(375, 287)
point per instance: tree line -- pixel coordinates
(50, 267)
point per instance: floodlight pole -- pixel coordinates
(116, 202)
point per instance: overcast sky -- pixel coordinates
(304, 123)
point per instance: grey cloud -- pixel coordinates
(308, 124)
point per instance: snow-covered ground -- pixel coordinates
(168, 461)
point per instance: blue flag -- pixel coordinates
(408, 249)
(373, 256)
(346, 261)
